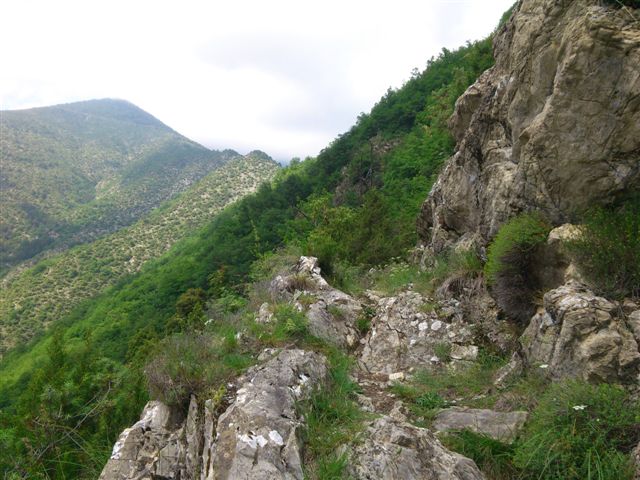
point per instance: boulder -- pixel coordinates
(579, 334)
(634, 324)
(392, 449)
(502, 426)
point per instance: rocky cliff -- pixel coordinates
(554, 126)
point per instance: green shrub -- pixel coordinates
(608, 252)
(580, 431)
(508, 267)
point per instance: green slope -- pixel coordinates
(71, 173)
(33, 298)
(355, 205)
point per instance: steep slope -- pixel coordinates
(71, 173)
(33, 298)
(358, 198)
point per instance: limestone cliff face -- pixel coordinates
(553, 126)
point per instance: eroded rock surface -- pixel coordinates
(258, 433)
(502, 426)
(392, 449)
(553, 126)
(256, 437)
(155, 446)
(406, 334)
(578, 334)
(332, 314)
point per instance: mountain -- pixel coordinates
(410, 303)
(33, 298)
(72, 173)
(355, 204)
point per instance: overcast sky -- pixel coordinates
(285, 77)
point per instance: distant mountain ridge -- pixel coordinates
(74, 172)
(33, 298)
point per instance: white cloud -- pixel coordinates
(283, 76)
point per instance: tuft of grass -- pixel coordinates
(443, 351)
(508, 267)
(288, 325)
(580, 431)
(493, 458)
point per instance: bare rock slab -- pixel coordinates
(404, 337)
(502, 426)
(393, 449)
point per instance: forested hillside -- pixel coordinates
(32, 298)
(354, 206)
(72, 173)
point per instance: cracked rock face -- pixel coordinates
(258, 432)
(403, 336)
(393, 449)
(578, 334)
(553, 126)
(256, 436)
(332, 314)
(157, 446)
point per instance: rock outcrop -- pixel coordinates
(392, 449)
(332, 314)
(256, 437)
(156, 446)
(578, 334)
(553, 126)
(407, 334)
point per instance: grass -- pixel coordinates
(580, 431)
(575, 431)
(493, 458)
(332, 419)
(608, 251)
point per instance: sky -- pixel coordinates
(285, 77)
